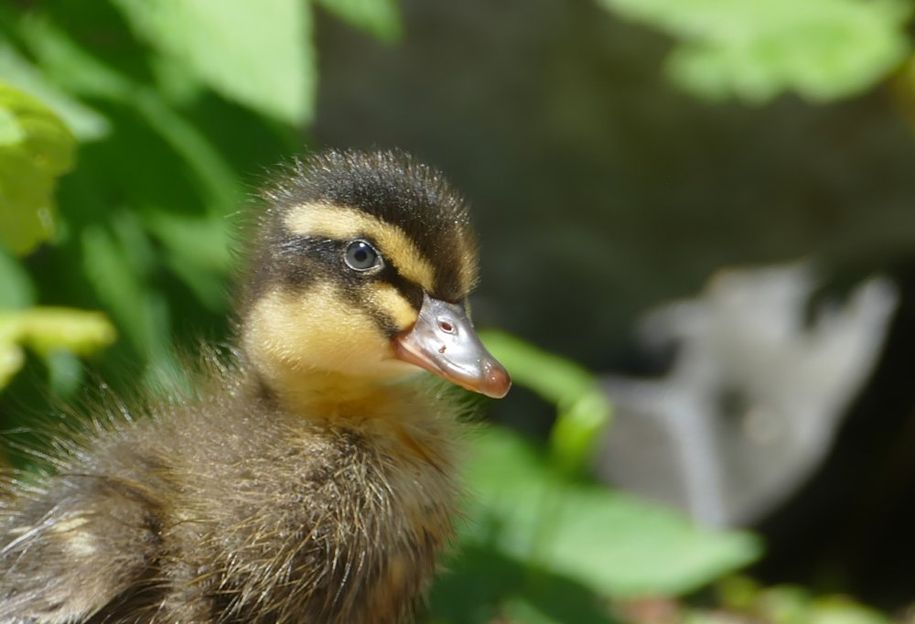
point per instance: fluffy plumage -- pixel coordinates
(311, 480)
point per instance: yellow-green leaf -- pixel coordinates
(45, 329)
(48, 330)
(36, 147)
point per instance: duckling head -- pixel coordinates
(360, 273)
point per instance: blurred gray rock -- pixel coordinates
(755, 396)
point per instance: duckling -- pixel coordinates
(313, 479)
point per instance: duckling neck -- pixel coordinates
(403, 414)
(346, 399)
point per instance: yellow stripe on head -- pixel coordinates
(388, 299)
(468, 271)
(343, 223)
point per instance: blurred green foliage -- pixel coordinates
(46, 330)
(175, 103)
(552, 533)
(36, 147)
(783, 605)
(582, 409)
(821, 49)
(233, 48)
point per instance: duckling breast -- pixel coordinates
(316, 521)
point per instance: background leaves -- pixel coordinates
(821, 49)
(258, 54)
(35, 149)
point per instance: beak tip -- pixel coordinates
(496, 381)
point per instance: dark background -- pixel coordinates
(601, 190)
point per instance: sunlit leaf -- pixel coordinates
(380, 18)
(46, 330)
(11, 133)
(35, 149)
(257, 53)
(611, 542)
(821, 49)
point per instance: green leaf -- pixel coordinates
(794, 605)
(118, 262)
(16, 289)
(46, 330)
(199, 252)
(256, 53)
(115, 270)
(69, 64)
(610, 542)
(86, 124)
(583, 410)
(74, 67)
(821, 49)
(214, 175)
(556, 379)
(482, 583)
(577, 430)
(35, 149)
(843, 611)
(380, 18)
(11, 133)
(65, 372)
(12, 357)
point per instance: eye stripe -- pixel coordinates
(329, 253)
(342, 223)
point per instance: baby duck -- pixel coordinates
(313, 480)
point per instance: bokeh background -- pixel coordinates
(756, 159)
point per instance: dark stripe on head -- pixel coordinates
(398, 190)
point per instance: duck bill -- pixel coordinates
(443, 342)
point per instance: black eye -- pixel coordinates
(360, 256)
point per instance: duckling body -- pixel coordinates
(312, 480)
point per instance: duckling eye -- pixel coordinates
(360, 256)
